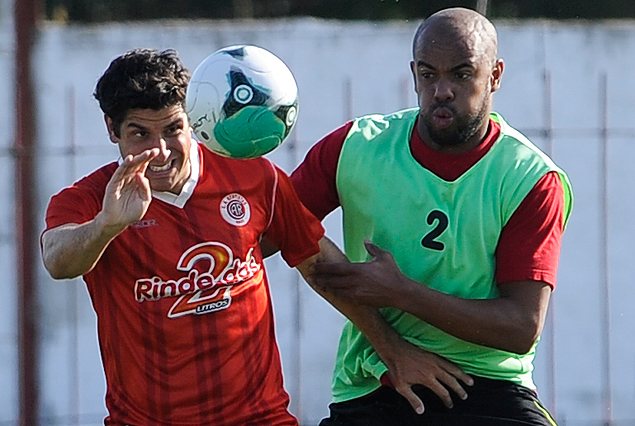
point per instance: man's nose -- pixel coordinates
(443, 91)
(161, 143)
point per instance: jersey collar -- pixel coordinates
(188, 188)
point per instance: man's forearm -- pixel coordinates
(407, 364)
(367, 319)
(511, 322)
(72, 250)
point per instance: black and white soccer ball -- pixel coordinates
(242, 101)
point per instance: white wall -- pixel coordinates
(346, 69)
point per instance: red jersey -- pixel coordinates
(529, 244)
(185, 320)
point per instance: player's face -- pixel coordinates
(168, 130)
(454, 81)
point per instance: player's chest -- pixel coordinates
(200, 254)
(231, 214)
(206, 233)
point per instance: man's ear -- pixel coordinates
(497, 75)
(111, 129)
(413, 70)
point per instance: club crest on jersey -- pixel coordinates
(235, 209)
(211, 272)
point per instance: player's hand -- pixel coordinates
(410, 365)
(373, 283)
(128, 193)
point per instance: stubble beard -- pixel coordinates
(464, 128)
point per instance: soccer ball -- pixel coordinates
(242, 101)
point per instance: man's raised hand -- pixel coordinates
(128, 194)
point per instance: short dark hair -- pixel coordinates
(141, 78)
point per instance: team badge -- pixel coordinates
(235, 209)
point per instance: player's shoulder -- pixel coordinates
(406, 113)
(86, 193)
(509, 133)
(252, 168)
(102, 175)
(95, 181)
(327, 149)
(514, 140)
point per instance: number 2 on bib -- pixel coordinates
(440, 220)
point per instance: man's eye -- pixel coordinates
(462, 75)
(171, 131)
(426, 74)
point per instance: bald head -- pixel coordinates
(459, 27)
(456, 72)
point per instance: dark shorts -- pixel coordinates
(489, 403)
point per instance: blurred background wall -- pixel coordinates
(569, 86)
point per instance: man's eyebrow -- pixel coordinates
(176, 122)
(463, 65)
(456, 68)
(424, 64)
(135, 125)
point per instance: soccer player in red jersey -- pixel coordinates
(167, 241)
(465, 216)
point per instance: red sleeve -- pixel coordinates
(529, 245)
(81, 201)
(314, 179)
(293, 229)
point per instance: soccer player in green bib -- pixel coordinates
(453, 221)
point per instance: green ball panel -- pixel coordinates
(251, 132)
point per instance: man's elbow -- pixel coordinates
(522, 347)
(525, 338)
(58, 270)
(55, 272)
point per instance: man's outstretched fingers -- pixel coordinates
(442, 393)
(416, 403)
(454, 384)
